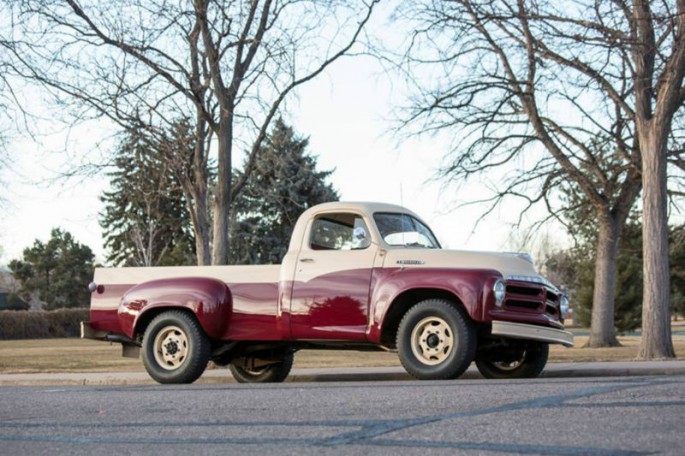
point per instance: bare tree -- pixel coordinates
(144, 238)
(657, 38)
(8, 104)
(595, 83)
(227, 64)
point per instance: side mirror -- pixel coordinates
(360, 238)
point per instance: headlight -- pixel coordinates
(499, 290)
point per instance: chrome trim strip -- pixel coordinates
(532, 332)
(539, 280)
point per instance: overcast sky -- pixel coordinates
(347, 113)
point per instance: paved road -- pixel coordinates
(333, 374)
(552, 416)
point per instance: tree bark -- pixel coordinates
(201, 230)
(656, 340)
(654, 111)
(222, 194)
(602, 332)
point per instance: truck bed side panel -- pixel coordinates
(253, 289)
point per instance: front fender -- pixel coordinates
(466, 285)
(209, 299)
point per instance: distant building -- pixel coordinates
(9, 301)
(8, 297)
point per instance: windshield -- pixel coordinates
(404, 230)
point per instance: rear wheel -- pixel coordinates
(436, 340)
(248, 370)
(175, 348)
(525, 361)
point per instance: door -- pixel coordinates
(330, 297)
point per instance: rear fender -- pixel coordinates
(208, 299)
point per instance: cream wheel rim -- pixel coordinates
(171, 347)
(432, 341)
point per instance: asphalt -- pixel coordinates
(348, 374)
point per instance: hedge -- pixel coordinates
(42, 324)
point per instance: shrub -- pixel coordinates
(42, 325)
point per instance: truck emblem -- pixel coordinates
(405, 262)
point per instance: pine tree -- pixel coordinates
(58, 271)
(629, 279)
(283, 183)
(145, 221)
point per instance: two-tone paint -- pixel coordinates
(226, 310)
(356, 296)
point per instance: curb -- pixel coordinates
(348, 374)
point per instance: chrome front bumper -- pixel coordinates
(532, 332)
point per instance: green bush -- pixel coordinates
(42, 325)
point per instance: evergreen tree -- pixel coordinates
(58, 271)
(629, 282)
(628, 300)
(145, 221)
(283, 183)
(677, 254)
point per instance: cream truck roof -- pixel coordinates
(509, 264)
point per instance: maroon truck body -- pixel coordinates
(480, 306)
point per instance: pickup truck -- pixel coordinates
(360, 276)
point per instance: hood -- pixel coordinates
(511, 265)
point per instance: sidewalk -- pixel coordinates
(347, 374)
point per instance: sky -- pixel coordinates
(347, 113)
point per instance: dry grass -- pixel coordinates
(75, 355)
(63, 355)
(626, 352)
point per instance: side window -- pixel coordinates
(341, 231)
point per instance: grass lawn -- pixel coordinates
(76, 355)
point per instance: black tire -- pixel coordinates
(272, 373)
(436, 340)
(175, 348)
(527, 361)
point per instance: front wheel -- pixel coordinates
(522, 362)
(243, 372)
(175, 348)
(436, 340)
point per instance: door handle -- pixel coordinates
(306, 260)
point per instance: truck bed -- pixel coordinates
(254, 291)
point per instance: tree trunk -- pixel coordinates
(201, 230)
(222, 195)
(195, 192)
(602, 332)
(656, 323)
(196, 202)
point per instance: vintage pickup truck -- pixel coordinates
(362, 276)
